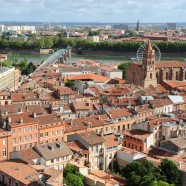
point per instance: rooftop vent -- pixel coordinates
(59, 145)
(51, 147)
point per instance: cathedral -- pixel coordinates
(149, 72)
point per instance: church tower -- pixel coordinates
(138, 26)
(149, 71)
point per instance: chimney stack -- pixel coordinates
(9, 119)
(34, 115)
(21, 121)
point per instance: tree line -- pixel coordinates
(145, 173)
(85, 44)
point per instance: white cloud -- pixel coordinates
(93, 10)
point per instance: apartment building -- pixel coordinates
(23, 128)
(5, 98)
(139, 140)
(65, 94)
(96, 147)
(25, 98)
(5, 144)
(9, 78)
(18, 38)
(54, 155)
(51, 128)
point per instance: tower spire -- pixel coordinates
(138, 26)
(149, 46)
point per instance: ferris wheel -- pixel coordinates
(142, 49)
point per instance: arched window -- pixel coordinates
(177, 76)
(150, 75)
(167, 75)
(157, 75)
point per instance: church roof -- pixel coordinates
(169, 64)
(166, 64)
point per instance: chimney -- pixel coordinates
(59, 145)
(21, 121)
(34, 115)
(20, 109)
(9, 119)
(27, 109)
(51, 147)
(71, 122)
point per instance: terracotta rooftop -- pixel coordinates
(22, 108)
(179, 142)
(20, 118)
(84, 106)
(64, 90)
(85, 123)
(175, 84)
(93, 77)
(28, 155)
(138, 134)
(76, 146)
(31, 96)
(169, 64)
(130, 151)
(91, 137)
(157, 103)
(53, 150)
(5, 93)
(53, 176)
(166, 64)
(111, 141)
(118, 113)
(142, 108)
(49, 119)
(19, 171)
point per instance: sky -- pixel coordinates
(123, 11)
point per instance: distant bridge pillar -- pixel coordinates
(62, 60)
(65, 56)
(69, 52)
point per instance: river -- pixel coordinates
(38, 58)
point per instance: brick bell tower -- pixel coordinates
(149, 72)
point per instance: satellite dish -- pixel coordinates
(142, 48)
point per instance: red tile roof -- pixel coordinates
(118, 113)
(76, 146)
(19, 171)
(93, 77)
(169, 64)
(138, 134)
(175, 84)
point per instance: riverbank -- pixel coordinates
(97, 53)
(101, 56)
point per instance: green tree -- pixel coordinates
(161, 183)
(143, 174)
(170, 170)
(71, 176)
(69, 168)
(93, 32)
(69, 84)
(123, 66)
(134, 167)
(6, 63)
(73, 180)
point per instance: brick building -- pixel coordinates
(137, 139)
(148, 72)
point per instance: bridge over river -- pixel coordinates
(60, 56)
